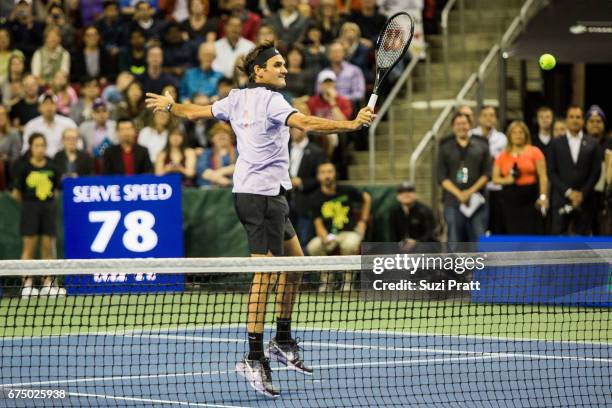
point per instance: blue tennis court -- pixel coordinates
(195, 367)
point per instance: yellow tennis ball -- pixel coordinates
(547, 62)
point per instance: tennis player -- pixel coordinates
(261, 118)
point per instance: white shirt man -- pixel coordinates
(574, 142)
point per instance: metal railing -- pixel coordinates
(445, 34)
(405, 78)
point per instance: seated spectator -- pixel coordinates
(36, 183)
(83, 108)
(521, 170)
(356, 53)
(93, 60)
(288, 24)
(51, 58)
(327, 17)
(250, 21)
(12, 88)
(178, 53)
(202, 80)
(230, 47)
(71, 161)
(10, 148)
(133, 57)
(49, 124)
(299, 79)
(314, 51)
(241, 79)
(216, 165)
(114, 94)
(26, 31)
(410, 221)
(64, 93)
(57, 17)
(338, 226)
(543, 136)
(6, 51)
(200, 27)
(176, 157)
(127, 157)
(266, 34)
(369, 20)
(99, 132)
(26, 108)
(196, 130)
(559, 128)
(154, 137)
(133, 107)
(350, 81)
(144, 19)
(110, 28)
(154, 78)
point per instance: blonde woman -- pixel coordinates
(51, 57)
(521, 170)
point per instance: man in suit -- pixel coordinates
(70, 161)
(127, 157)
(574, 165)
(304, 159)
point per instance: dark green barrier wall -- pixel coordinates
(209, 223)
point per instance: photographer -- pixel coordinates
(521, 170)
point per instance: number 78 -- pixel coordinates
(138, 237)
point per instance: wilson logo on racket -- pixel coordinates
(393, 40)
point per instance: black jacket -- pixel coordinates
(419, 224)
(313, 156)
(84, 163)
(113, 160)
(78, 70)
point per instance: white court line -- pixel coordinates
(152, 401)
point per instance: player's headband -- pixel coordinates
(262, 58)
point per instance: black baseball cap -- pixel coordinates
(406, 187)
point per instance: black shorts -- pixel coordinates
(38, 218)
(266, 221)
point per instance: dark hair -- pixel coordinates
(573, 106)
(183, 146)
(140, 104)
(299, 51)
(489, 107)
(544, 108)
(247, 66)
(87, 79)
(124, 119)
(458, 115)
(225, 81)
(324, 163)
(35, 136)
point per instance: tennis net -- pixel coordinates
(529, 329)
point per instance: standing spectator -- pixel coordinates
(326, 15)
(410, 221)
(463, 171)
(574, 167)
(596, 128)
(51, 58)
(467, 111)
(144, 19)
(314, 51)
(155, 136)
(341, 215)
(356, 53)
(544, 133)
(26, 108)
(127, 157)
(299, 78)
(83, 109)
(178, 53)
(230, 47)
(250, 21)
(12, 89)
(288, 24)
(521, 170)
(71, 161)
(202, 80)
(110, 28)
(6, 51)
(350, 81)
(133, 58)
(98, 133)
(497, 141)
(64, 93)
(176, 157)
(49, 124)
(93, 60)
(133, 107)
(10, 148)
(305, 157)
(155, 79)
(559, 128)
(26, 32)
(215, 166)
(200, 27)
(370, 21)
(35, 188)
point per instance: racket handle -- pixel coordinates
(372, 101)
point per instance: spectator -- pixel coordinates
(230, 47)
(65, 94)
(12, 89)
(299, 79)
(200, 27)
(178, 54)
(467, 111)
(339, 226)
(314, 52)
(133, 107)
(10, 148)
(144, 19)
(305, 157)
(250, 21)
(51, 58)
(71, 161)
(176, 157)
(26, 32)
(596, 128)
(266, 34)
(410, 221)
(26, 108)
(350, 81)
(196, 129)
(57, 17)
(35, 188)
(154, 78)
(6, 51)
(99, 132)
(155, 136)
(288, 24)
(463, 171)
(370, 21)
(521, 170)
(202, 80)
(559, 128)
(497, 141)
(329, 104)
(215, 166)
(356, 53)
(93, 60)
(127, 157)
(133, 58)
(130, 7)
(110, 28)
(573, 168)
(49, 124)
(83, 109)
(114, 94)
(326, 15)
(543, 135)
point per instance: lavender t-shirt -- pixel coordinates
(258, 117)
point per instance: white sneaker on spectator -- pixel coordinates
(28, 291)
(52, 291)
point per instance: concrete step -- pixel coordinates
(473, 41)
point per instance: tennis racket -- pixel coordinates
(391, 46)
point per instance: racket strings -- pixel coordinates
(394, 39)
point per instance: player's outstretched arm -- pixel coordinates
(184, 110)
(319, 125)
